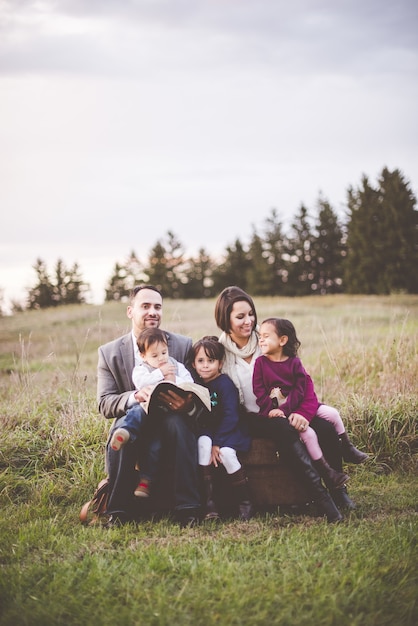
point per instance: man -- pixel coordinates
(116, 394)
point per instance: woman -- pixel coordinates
(236, 316)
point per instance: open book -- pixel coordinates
(200, 395)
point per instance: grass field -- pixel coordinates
(276, 569)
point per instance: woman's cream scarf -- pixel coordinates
(233, 353)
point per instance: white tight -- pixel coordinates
(228, 455)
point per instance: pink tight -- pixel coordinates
(309, 437)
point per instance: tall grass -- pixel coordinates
(279, 569)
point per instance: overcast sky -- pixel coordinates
(123, 119)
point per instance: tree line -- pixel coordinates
(373, 250)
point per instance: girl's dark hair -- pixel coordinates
(210, 344)
(149, 337)
(285, 327)
(223, 307)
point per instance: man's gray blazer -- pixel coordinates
(114, 371)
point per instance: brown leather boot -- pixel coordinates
(239, 483)
(350, 453)
(330, 476)
(210, 510)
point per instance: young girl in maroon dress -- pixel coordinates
(284, 389)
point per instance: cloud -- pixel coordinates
(99, 36)
(120, 120)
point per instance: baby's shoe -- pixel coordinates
(119, 438)
(143, 488)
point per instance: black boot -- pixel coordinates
(332, 479)
(342, 499)
(300, 461)
(239, 483)
(210, 510)
(350, 453)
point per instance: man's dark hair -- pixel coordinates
(138, 288)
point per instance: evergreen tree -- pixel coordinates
(360, 266)
(197, 278)
(382, 237)
(233, 269)
(41, 296)
(67, 288)
(124, 278)
(176, 266)
(298, 249)
(400, 225)
(327, 251)
(59, 291)
(259, 277)
(274, 247)
(166, 266)
(75, 289)
(157, 268)
(135, 274)
(116, 288)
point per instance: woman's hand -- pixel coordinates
(276, 413)
(298, 421)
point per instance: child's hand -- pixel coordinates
(142, 395)
(215, 457)
(276, 413)
(168, 370)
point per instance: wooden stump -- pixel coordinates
(271, 482)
